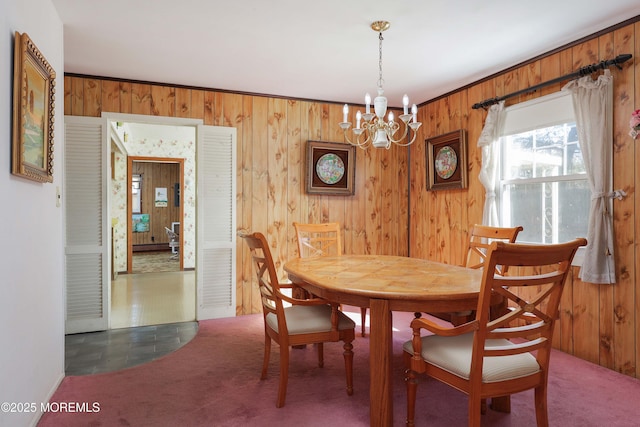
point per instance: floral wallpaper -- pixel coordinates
(180, 143)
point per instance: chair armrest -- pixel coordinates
(420, 323)
(433, 327)
(315, 301)
(302, 301)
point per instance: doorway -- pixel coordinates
(161, 158)
(157, 149)
(98, 214)
(156, 211)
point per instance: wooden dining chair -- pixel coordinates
(490, 358)
(322, 239)
(305, 321)
(480, 238)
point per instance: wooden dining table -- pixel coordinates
(386, 284)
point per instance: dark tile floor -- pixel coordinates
(107, 351)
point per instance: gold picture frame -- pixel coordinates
(33, 112)
(447, 161)
(331, 168)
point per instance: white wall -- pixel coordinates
(31, 256)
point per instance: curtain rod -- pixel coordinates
(580, 73)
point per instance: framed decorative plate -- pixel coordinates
(447, 161)
(330, 168)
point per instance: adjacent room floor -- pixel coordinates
(152, 299)
(152, 314)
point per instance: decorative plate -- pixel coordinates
(330, 168)
(446, 162)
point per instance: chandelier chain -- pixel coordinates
(380, 80)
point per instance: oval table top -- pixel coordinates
(410, 284)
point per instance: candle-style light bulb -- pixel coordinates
(414, 111)
(345, 112)
(405, 103)
(358, 118)
(390, 116)
(367, 102)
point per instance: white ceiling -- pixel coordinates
(324, 49)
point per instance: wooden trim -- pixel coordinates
(179, 86)
(534, 59)
(423, 103)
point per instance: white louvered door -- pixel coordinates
(86, 225)
(216, 222)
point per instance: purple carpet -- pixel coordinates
(214, 380)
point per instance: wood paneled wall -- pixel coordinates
(598, 322)
(157, 175)
(272, 133)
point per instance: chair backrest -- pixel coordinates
(173, 237)
(266, 273)
(529, 322)
(318, 239)
(481, 237)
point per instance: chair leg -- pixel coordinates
(474, 412)
(412, 388)
(267, 354)
(320, 354)
(284, 376)
(363, 316)
(348, 365)
(542, 417)
(501, 404)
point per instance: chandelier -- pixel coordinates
(371, 129)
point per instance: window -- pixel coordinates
(542, 179)
(136, 193)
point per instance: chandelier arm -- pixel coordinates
(413, 138)
(393, 128)
(398, 141)
(358, 143)
(405, 144)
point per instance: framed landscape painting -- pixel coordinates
(33, 112)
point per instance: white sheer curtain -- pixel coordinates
(592, 103)
(489, 143)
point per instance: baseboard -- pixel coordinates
(38, 414)
(153, 247)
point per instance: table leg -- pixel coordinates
(380, 359)
(300, 293)
(502, 403)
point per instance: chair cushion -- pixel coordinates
(303, 319)
(453, 354)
